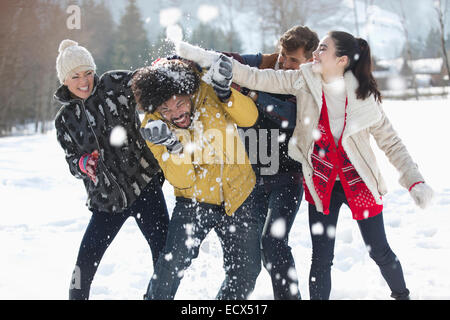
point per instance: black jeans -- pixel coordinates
(152, 218)
(374, 236)
(239, 235)
(280, 202)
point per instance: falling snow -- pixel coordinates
(44, 233)
(118, 136)
(278, 229)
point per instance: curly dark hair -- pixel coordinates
(300, 37)
(154, 85)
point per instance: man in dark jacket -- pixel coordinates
(280, 176)
(98, 128)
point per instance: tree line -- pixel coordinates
(30, 33)
(31, 30)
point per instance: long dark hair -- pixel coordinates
(360, 62)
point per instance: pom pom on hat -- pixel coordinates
(65, 44)
(72, 56)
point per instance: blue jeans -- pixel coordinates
(239, 235)
(152, 218)
(374, 236)
(280, 201)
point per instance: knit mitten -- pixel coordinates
(422, 194)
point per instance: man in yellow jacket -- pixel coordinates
(190, 127)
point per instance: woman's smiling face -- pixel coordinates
(80, 83)
(325, 60)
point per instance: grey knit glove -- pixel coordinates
(157, 132)
(221, 75)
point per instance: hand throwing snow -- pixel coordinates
(219, 77)
(220, 73)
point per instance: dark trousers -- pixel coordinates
(150, 213)
(239, 235)
(280, 202)
(374, 236)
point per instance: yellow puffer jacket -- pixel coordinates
(213, 167)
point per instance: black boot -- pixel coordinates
(401, 296)
(78, 294)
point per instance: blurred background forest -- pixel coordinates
(409, 40)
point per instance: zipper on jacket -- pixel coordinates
(122, 193)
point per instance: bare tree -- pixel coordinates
(8, 61)
(18, 64)
(368, 11)
(30, 33)
(51, 17)
(355, 13)
(277, 16)
(441, 17)
(400, 9)
(232, 37)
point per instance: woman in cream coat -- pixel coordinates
(338, 108)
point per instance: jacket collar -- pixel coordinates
(361, 114)
(314, 82)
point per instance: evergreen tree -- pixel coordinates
(215, 39)
(97, 33)
(234, 42)
(432, 47)
(30, 33)
(161, 48)
(131, 45)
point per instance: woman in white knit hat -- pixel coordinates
(98, 128)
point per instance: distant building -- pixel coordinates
(395, 74)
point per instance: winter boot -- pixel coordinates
(78, 294)
(401, 296)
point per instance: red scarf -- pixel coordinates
(329, 161)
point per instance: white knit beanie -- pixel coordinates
(72, 56)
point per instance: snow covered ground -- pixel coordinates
(43, 218)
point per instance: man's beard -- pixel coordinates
(189, 114)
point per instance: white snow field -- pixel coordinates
(43, 218)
